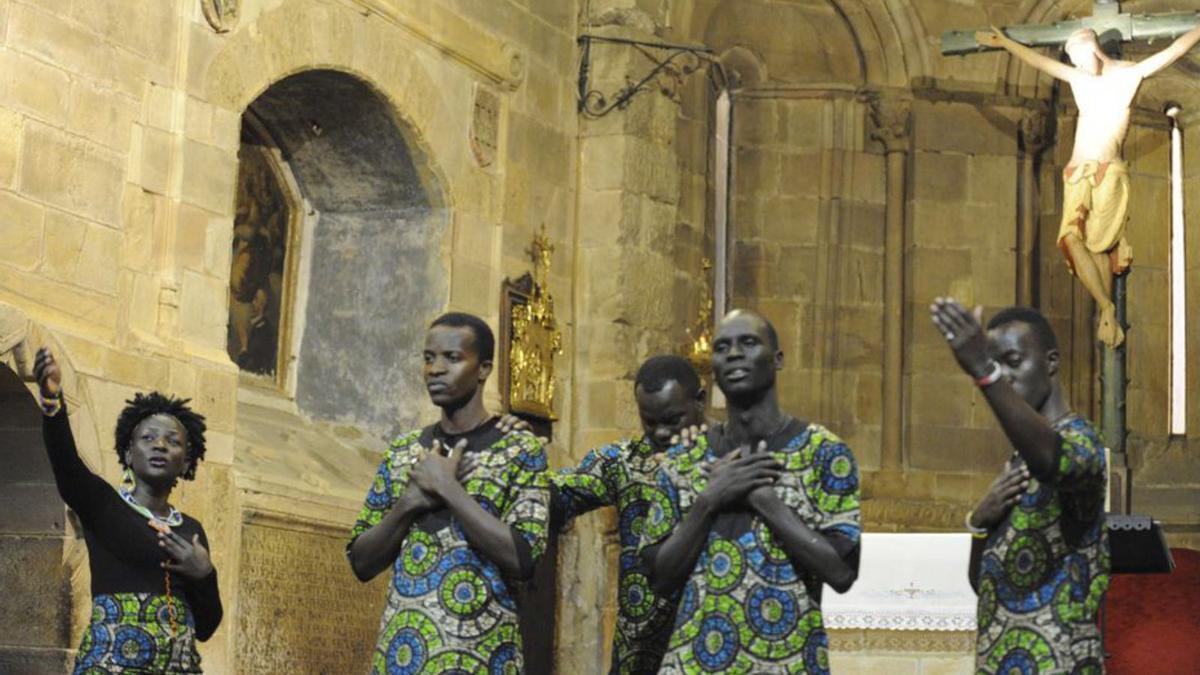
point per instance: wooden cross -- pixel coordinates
(1110, 23)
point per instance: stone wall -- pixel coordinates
(807, 216)
(117, 170)
(119, 133)
(640, 232)
(964, 221)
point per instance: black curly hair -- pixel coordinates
(154, 403)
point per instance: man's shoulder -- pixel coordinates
(811, 435)
(618, 449)
(1078, 427)
(626, 452)
(522, 447)
(518, 439)
(407, 439)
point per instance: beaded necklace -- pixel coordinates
(174, 517)
(163, 525)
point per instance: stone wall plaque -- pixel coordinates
(485, 126)
(300, 608)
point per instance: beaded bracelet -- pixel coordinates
(50, 404)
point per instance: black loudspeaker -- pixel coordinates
(1138, 545)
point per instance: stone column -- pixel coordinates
(627, 297)
(893, 124)
(1033, 141)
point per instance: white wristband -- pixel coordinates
(993, 375)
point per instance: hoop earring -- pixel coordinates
(127, 479)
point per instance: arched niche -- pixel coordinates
(364, 270)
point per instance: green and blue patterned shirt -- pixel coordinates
(448, 607)
(1045, 568)
(620, 475)
(746, 608)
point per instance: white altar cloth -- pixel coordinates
(907, 582)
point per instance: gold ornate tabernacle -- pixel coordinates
(699, 352)
(533, 338)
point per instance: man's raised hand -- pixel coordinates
(964, 334)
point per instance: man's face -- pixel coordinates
(744, 362)
(1025, 364)
(453, 371)
(668, 411)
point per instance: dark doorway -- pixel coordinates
(35, 614)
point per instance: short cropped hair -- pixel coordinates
(485, 340)
(154, 403)
(1042, 331)
(657, 371)
(772, 335)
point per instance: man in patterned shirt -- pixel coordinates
(456, 543)
(1042, 554)
(751, 522)
(670, 399)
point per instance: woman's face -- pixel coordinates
(158, 452)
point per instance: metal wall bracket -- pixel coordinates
(673, 62)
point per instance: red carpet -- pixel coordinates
(1154, 620)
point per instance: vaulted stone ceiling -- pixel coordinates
(886, 43)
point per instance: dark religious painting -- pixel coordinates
(258, 275)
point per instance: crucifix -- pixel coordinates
(1096, 185)
(1107, 21)
(1096, 182)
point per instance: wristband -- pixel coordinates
(992, 376)
(51, 404)
(977, 532)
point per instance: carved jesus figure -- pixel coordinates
(1096, 182)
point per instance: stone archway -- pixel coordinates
(35, 616)
(40, 564)
(371, 273)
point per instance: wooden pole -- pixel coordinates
(1113, 385)
(1033, 141)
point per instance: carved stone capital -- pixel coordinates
(1035, 130)
(893, 123)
